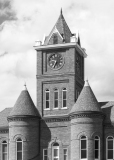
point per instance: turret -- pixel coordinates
(86, 126)
(24, 129)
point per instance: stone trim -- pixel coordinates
(4, 131)
(56, 119)
(56, 81)
(54, 76)
(21, 118)
(87, 114)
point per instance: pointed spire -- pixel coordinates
(63, 29)
(79, 40)
(61, 12)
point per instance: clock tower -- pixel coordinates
(60, 70)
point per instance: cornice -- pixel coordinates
(55, 75)
(63, 45)
(21, 118)
(89, 114)
(56, 118)
(4, 130)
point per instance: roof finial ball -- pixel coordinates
(25, 86)
(86, 82)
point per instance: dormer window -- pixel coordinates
(55, 39)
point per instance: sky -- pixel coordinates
(22, 22)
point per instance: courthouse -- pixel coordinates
(67, 123)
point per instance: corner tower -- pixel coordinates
(86, 126)
(24, 129)
(60, 70)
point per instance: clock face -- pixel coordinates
(55, 61)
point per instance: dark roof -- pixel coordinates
(24, 106)
(86, 101)
(3, 117)
(63, 29)
(108, 110)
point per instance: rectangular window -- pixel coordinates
(83, 147)
(64, 98)
(47, 99)
(55, 153)
(4, 150)
(45, 154)
(56, 98)
(110, 149)
(97, 148)
(65, 154)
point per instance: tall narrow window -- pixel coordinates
(4, 150)
(64, 98)
(56, 98)
(45, 154)
(19, 149)
(110, 148)
(47, 99)
(65, 154)
(83, 153)
(55, 151)
(55, 39)
(97, 148)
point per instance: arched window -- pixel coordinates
(55, 151)
(47, 99)
(56, 98)
(110, 148)
(55, 39)
(19, 148)
(4, 150)
(97, 147)
(64, 98)
(83, 147)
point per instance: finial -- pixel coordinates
(86, 83)
(25, 87)
(61, 11)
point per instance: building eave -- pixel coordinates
(63, 45)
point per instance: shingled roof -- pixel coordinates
(24, 105)
(3, 117)
(86, 101)
(62, 28)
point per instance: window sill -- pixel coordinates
(46, 109)
(64, 108)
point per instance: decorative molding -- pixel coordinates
(56, 119)
(87, 114)
(21, 118)
(4, 130)
(56, 81)
(55, 75)
(63, 45)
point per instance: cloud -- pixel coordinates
(26, 21)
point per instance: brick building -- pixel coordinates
(68, 122)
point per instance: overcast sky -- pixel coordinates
(24, 21)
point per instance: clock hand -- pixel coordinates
(54, 63)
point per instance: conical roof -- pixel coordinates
(24, 105)
(86, 101)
